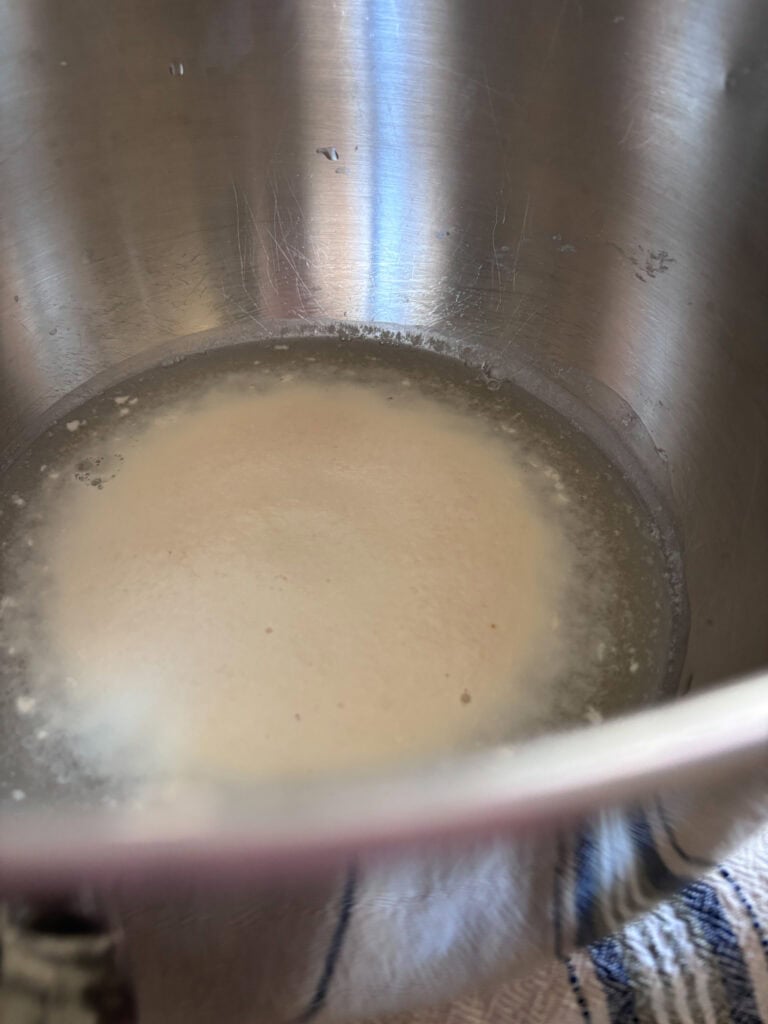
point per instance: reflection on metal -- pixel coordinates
(573, 189)
(554, 185)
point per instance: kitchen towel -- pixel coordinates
(699, 957)
(656, 914)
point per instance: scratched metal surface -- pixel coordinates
(577, 184)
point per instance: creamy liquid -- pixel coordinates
(308, 577)
(275, 576)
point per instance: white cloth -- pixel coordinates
(625, 918)
(700, 957)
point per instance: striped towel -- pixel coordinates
(630, 917)
(700, 957)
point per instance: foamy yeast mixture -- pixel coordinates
(306, 577)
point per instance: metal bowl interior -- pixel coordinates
(571, 195)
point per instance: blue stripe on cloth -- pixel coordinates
(558, 887)
(744, 900)
(698, 862)
(608, 960)
(346, 906)
(578, 993)
(558, 902)
(661, 877)
(587, 887)
(701, 900)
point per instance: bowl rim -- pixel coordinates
(518, 789)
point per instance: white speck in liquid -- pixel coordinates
(25, 705)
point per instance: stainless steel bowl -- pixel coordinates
(568, 191)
